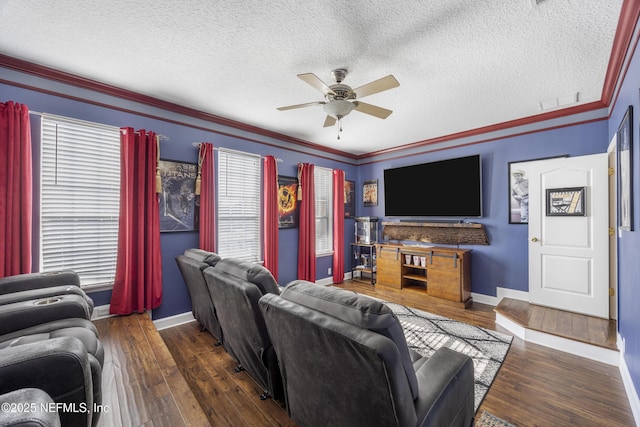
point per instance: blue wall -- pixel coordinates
(179, 147)
(504, 262)
(629, 241)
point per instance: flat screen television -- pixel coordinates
(446, 188)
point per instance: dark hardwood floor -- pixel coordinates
(183, 379)
(141, 383)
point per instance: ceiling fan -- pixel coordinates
(340, 99)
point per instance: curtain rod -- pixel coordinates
(37, 113)
(198, 144)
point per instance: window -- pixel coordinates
(323, 182)
(239, 205)
(80, 196)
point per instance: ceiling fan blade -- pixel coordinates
(308, 104)
(373, 110)
(314, 81)
(382, 84)
(329, 121)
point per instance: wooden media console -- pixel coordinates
(441, 273)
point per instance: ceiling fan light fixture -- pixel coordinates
(338, 108)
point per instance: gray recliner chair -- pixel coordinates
(80, 330)
(235, 287)
(191, 266)
(59, 367)
(28, 407)
(36, 286)
(345, 362)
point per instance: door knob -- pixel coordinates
(534, 239)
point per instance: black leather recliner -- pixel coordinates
(191, 265)
(345, 362)
(235, 287)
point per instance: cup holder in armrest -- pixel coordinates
(47, 301)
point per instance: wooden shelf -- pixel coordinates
(419, 267)
(415, 277)
(442, 233)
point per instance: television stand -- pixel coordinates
(437, 273)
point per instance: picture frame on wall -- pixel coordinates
(518, 179)
(370, 193)
(179, 205)
(288, 207)
(349, 199)
(566, 201)
(518, 193)
(625, 172)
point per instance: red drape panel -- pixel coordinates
(138, 282)
(307, 233)
(270, 217)
(15, 189)
(207, 198)
(338, 226)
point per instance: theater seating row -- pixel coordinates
(50, 356)
(334, 357)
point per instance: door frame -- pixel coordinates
(613, 226)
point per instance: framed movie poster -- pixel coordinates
(179, 205)
(349, 199)
(625, 177)
(287, 202)
(370, 193)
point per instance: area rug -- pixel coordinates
(426, 332)
(490, 420)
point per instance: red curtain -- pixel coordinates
(307, 233)
(15, 190)
(138, 282)
(270, 217)
(338, 226)
(207, 198)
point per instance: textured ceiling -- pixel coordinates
(461, 64)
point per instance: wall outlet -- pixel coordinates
(329, 270)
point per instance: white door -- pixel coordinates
(568, 251)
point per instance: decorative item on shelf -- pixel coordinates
(407, 259)
(366, 229)
(416, 260)
(423, 261)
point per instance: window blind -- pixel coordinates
(80, 196)
(323, 182)
(239, 205)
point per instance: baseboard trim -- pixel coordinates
(101, 312)
(511, 293)
(598, 354)
(171, 321)
(630, 389)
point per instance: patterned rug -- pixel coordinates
(490, 420)
(426, 332)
